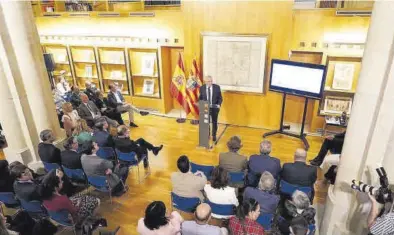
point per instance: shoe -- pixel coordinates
(315, 162)
(132, 124)
(156, 150)
(214, 138)
(144, 113)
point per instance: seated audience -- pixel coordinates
(6, 181)
(379, 224)
(264, 194)
(200, 225)
(185, 183)
(89, 111)
(298, 206)
(332, 143)
(25, 187)
(90, 90)
(245, 220)
(70, 118)
(232, 161)
(124, 144)
(70, 156)
(299, 226)
(263, 162)
(58, 100)
(79, 206)
(95, 166)
(62, 87)
(156, 221)
(75, 98)
(219, 191)
(101, 134)
(46, 150)
(101, 104)
(116, 101)
(299, 173)
(82, 132)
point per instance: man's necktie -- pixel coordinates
(209, 96)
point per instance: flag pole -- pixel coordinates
(180, 119)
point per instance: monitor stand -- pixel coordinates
(302, 135)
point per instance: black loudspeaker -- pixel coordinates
(49, 62)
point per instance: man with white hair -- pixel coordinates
(264, 194)
(259, 163)
(299, 173)
(211, 92)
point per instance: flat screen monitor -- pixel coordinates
(296, 78)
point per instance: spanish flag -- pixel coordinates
(178, 86)
(193, 87)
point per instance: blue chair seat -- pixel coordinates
(9, 200)
(61, 217)
(221, 209)
(99, 183)
(207, 170)
(33, 207)
(183, 203)
(130, 158)
(288, 189)
(51, 166)
(77, 175)
(106, 153)
(265, 220)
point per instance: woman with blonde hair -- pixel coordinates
(70, 118)
(82, 132)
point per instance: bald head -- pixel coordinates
(84, 98)
(300, 155)
(203, 213)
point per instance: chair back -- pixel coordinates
(32, 206)
(237, 177)
(9, 200)
(130, 158)
(288, 189)
(99, 182)
(75, 174)
(312, 229)
(265, 220)
(207, 170)
(51, 166)
(106, 153)
(61, 217)
(183, 203)
(221, 209)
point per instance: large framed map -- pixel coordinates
(235, 62)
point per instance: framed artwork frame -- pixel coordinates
(337, 105)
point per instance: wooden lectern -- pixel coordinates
(204, 121)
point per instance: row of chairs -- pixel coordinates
(238, 177)
(36, 210)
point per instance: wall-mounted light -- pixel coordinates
(314, 44)
(302, 44)
(167, 40)
(325, 45)
(176, 40)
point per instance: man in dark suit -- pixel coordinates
(46, 150)
(88, 110)
(70, 157)
(124, 144)
(299, 173)
(90, 90)
(332, 143)
(211, 92)
(102, 104)
(116, 101)
(258, 163)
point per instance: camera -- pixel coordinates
(382, 194)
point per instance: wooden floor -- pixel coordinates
(182, 139)
(179, 139)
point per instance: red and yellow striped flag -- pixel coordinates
(178, 86)
(193, 87)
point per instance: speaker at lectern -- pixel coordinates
(204, 122)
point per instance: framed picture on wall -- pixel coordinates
(343, 76)
(337, 105)
(149, 87)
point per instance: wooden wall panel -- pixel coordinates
(243, 17)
